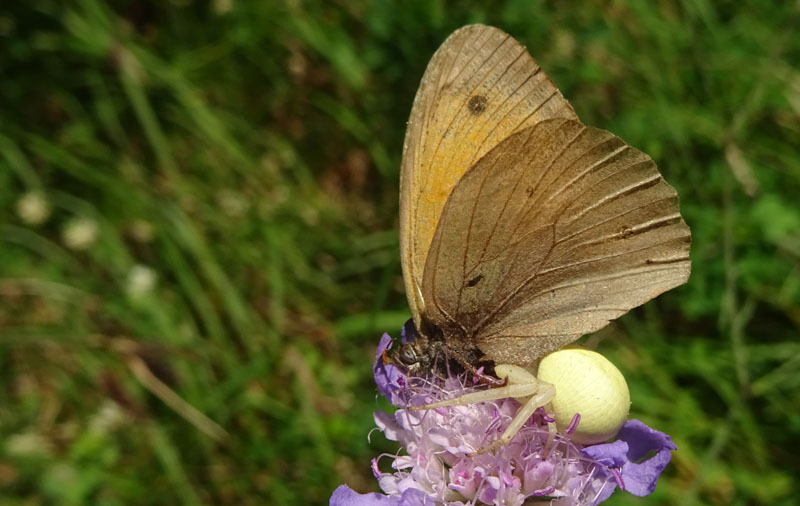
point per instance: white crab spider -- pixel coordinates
(571, 381)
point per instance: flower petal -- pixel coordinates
(635, 441)
(415, 497)
(388, 425)
(610, 454)
(643, 439)
(345, 496)
(640, 477)
(390, 379)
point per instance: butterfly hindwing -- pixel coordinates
(556, 231)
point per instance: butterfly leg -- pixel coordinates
(466, 361)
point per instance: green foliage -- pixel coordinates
(198, 246)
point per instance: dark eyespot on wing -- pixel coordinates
(474, 281)
(477, 103)
(666, 261)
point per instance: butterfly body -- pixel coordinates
(434, 351)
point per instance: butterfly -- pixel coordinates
(521, 228)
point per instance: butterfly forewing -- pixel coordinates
(480, 87)
(556, 231)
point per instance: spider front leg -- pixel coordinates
(540, 394)
(520, 385)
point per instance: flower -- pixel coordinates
(33, 208)
(141, 281)
(80, 233)
(536, 463)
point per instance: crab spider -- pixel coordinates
(570, 381)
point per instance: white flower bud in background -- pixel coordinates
(109, 417)
(141, 281)
(33, 208)
(28, 444)
(80, 233)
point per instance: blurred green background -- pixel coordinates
(199, 247)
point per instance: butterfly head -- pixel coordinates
(420, 351)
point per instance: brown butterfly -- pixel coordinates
(522, 229)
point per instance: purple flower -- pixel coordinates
(537, 463)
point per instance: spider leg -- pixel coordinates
(517, 383)
(544, 394)
(511, 390)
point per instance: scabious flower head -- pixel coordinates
(435, 468)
